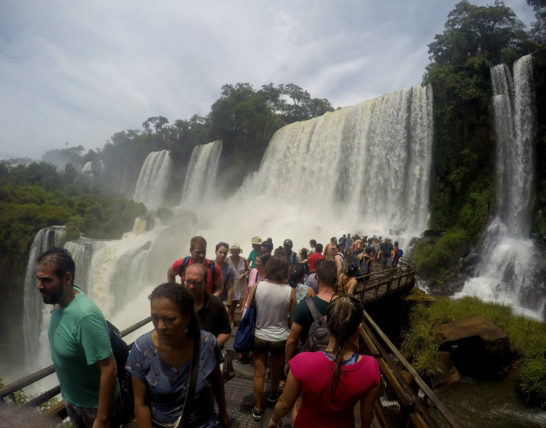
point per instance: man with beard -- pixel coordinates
(80, 343)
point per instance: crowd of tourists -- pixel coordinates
(306, 325)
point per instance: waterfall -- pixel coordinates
(370, 163)
(200, 181)
(33, 307)
(506, 272)
(362, 168)
(153, 179)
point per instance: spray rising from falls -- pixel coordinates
(507, 270)
(153, 179)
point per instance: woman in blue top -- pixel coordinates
(160, 365)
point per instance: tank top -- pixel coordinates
(272, 307)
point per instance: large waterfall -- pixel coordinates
(508, 257)
(34, 309)
(200, 181)
(370, 164)
(153, 180)
(359, 169)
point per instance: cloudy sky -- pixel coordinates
(78, 71)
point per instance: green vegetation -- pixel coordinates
(528, 338)
(462, 198)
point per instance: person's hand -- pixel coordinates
(272, 424)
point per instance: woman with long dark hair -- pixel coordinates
(161, 364)
(332, 381)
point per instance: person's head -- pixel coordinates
(221, 252)
(195, 278)
(173, 312)
(266, 247)
(235, 250)
(296, 275)
(343, 318)
(319, 248)
(312, 243)
(287, 245)
(278, 251)
(261, 261)
(303, 254)
(256, 243)
(55, 275)
(198, 249)
(333, 240)
(326, 273)
(396, 244)
(276, 269)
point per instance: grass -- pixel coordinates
(528, 338)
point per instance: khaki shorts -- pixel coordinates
(263, 346)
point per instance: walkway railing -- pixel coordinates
(399, 404)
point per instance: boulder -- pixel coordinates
(448, 373)
(477, 347)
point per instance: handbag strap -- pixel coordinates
(193, 380)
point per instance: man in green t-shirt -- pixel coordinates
(79, 341)
(326, 278)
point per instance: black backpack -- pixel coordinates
(318, 335)
(120, 350)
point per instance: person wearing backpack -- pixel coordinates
(198, 251)
(303, 318)
(331, 382)
(396, 254)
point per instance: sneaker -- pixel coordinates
(257, 414)
(273, 398)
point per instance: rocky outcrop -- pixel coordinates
(477, 347)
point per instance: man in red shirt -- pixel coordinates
(315, 257)
(198, 250)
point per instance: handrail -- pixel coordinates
(432, 397)
(11, 388)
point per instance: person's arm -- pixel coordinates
(286, 401)
(351, 285)
(171, 275)
(107, 389)
(142, 409)
(222, 339)
(338, 264)
(247, 269)
(217, 384)
(367, 404)
(218, 285)
(292, 343)
(293, 302)
(310, 292)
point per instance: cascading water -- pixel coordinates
(33, 313)
(200, 181)
(153, 179)
(370, 164)
(362, 168)
(507, 268)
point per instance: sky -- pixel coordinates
(75, 72)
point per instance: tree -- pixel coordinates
(539, 27)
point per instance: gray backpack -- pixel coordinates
(318, 336)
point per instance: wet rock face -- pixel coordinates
(477, 347)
